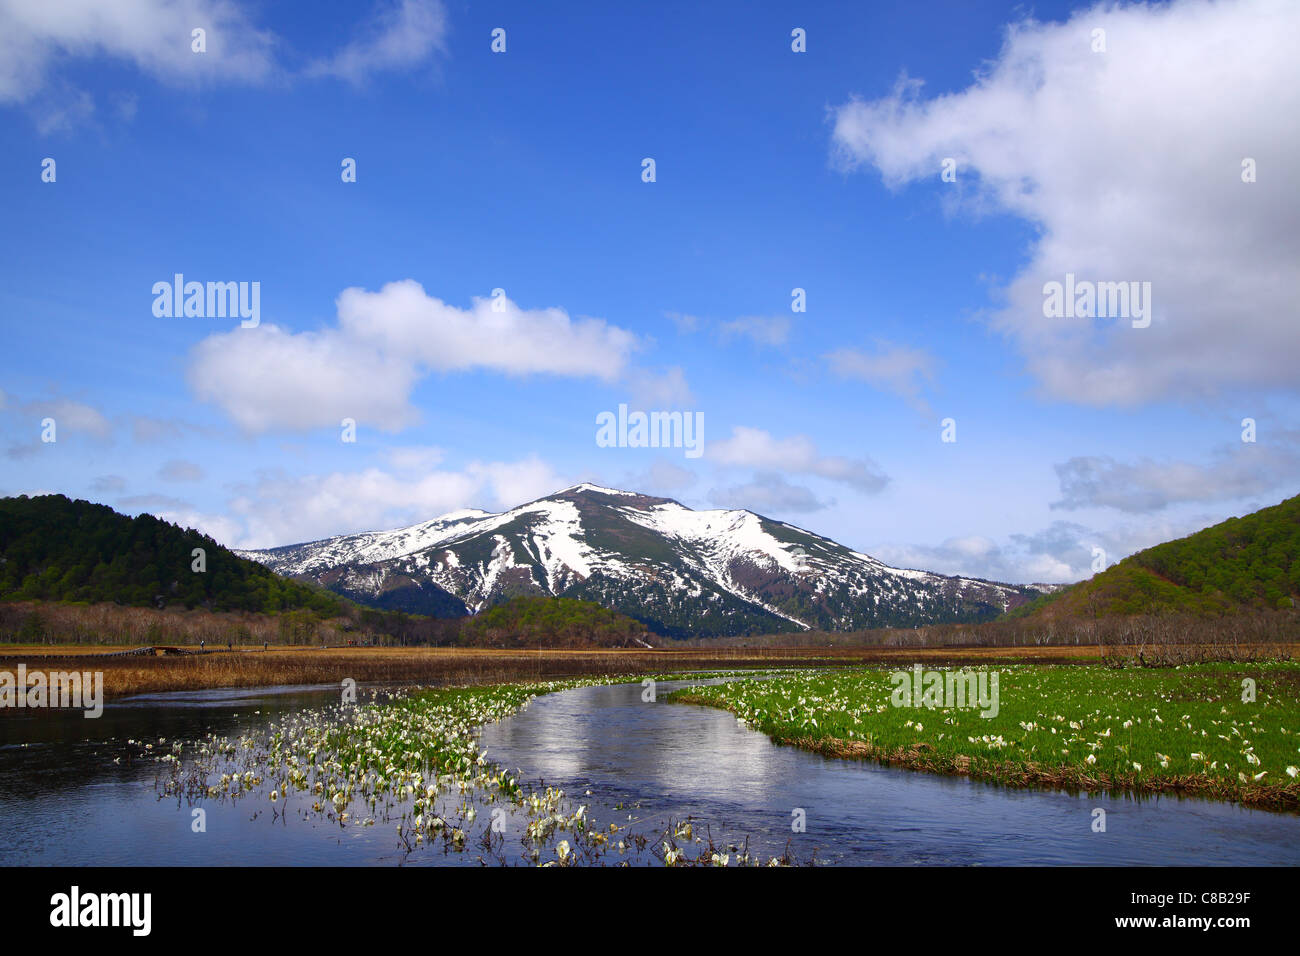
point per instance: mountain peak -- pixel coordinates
(680, 571)
(587, 486)
(588, 493)
(463, 514)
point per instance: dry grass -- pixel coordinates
(124, 676)
(441, 666)
(112, 624)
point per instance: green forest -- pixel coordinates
(1247, 563)
(55, 549)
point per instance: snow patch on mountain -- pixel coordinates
(649, 556)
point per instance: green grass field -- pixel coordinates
(1184, 729)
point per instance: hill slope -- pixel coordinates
(1246, 563)
(681, 572)
(553, 622)
(55, 549)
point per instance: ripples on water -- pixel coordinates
(64, 801)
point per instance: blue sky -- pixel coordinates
(775, 170)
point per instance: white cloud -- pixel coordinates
(1129, 164)
(402, 319)
(70, 417)
(108, 485)
(767, 494)
(154, 35)
(516, 482)
(180, 470)
(60, 107)
(145, 428)
(279, 509)
(38, 37)
(755, 448)
(659, 390)
(219, 528)
(685, 322)
(979, 557)
(661, 478)
(401, 35)
(415, 458)
(365, 367)
(894, 368)
(763, 330)
(1061, 553)
(1233, 472)
(152, 503)
(266, 378)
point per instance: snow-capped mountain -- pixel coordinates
(682, 572)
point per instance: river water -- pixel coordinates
(64, 801)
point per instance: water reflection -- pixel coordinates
(675, 760)
(74, 792)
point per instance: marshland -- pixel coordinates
(720, 757)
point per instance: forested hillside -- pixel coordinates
(1247, 563)
(55, 549)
